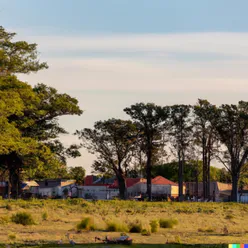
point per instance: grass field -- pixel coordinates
(54, 220)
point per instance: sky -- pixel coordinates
(110, 54)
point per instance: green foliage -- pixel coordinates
(146, 232)
(12, 236)
(154, 226)
(18, 56)
(23, 218)
(4, 219)
(44, 215)
(87, 224)
(167, 223)
(116, 226)
(77, 173)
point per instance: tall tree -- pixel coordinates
(205, 138)
(77, 173)
(29, 116)
(150, 120)
(180, 132)
(232, 128)
(113, 141)
(17, 56)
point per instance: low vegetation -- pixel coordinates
(22, 218)
(48, 221)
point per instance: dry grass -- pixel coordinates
(195, 220)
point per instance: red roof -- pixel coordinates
(157, 180)
(129, 182)
(161, 180)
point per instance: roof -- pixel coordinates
(26, 185)
(162, 181)
(67, 183)
(129, 182)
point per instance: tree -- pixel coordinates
(180, 132)
(205, 138)
(150, 120)
(29, 116)
(77, 173)
(19, 56)
(232, 128)
(113, 142)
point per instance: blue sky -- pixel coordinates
(126, 16)
(110, 54)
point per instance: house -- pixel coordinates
(98, 188)
(160, 186)
(30, 187)
(218, 191)
(57, 188)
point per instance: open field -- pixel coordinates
(198, 223)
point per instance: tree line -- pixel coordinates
(30, 130)
(201, 132)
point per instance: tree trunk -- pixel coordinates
(180, 177)
(122, 186)
(148, 173)
(234, 195)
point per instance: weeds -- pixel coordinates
(168, 223)
(23, 218)
(87, 224)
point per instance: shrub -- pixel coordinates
(229, 217)
(9, 207)
(135, 227)
(113, 226)
(44, 215)
(146, 231)
(12, 236)
(178, 240)
(22, 218)
(86, 223)
(168, 223)
(154, 226)
(4, 219)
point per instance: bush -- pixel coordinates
(168, 223)
(87, 224)
(22, 218)
(229, 217)
(4, 219)
(12, 236)
(9, 207)
(113, 226)
(44, 215)
(154, 226)
(135, 227)
(146, 231)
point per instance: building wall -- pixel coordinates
(98, 192)
(141, 188)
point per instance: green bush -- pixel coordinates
(87, 224)
(145, 232)
(4, 219)
(113, 226)
(154, 226)
(167, 223)
(22, 218)
(44, 215)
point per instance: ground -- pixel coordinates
(198, 223)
